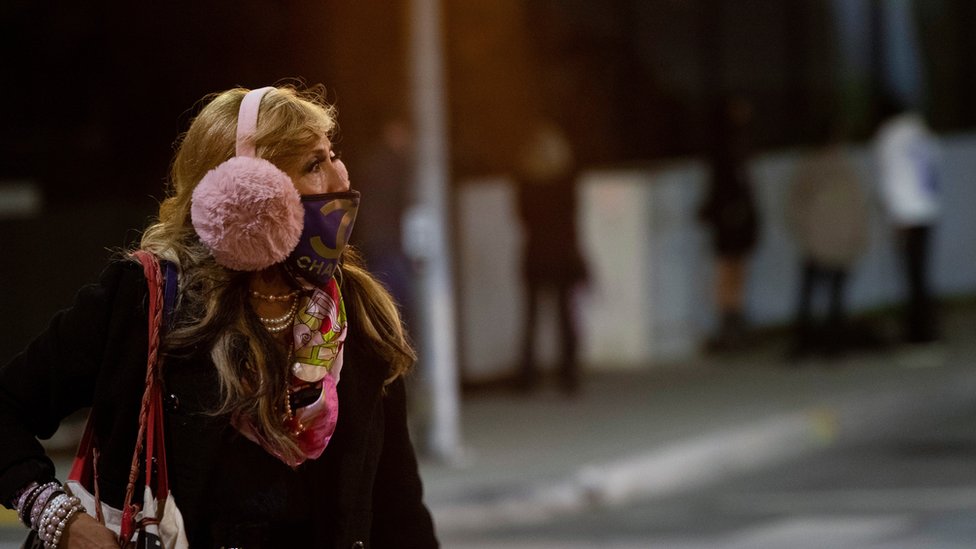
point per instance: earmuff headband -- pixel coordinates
(247, 121)
(246, 210)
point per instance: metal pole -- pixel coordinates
(428, 230)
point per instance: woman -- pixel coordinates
(730, 212)
(265, 447)
(552, 262)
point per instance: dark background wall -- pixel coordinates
(98, 91)
(95, 92)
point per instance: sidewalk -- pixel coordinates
(655, 431)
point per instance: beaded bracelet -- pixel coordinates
(21, 496)
(47, 509)
(44, 496)
(31, 499)
(24, 501)
(45, 528)
(63, 523)
(41, 505)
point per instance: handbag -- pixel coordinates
(157, 521)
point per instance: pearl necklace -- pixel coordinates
(281, 323)
(274, 298)
(293, 423)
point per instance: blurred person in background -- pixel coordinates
(552, 263)
(907, 156)
(387, 174)
(827, 212)
(265, 447)
(730, 213)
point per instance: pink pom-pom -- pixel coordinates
(248, 213)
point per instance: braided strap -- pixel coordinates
(154, 279)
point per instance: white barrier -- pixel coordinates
(651, 297)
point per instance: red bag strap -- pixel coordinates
(156, 446)
(154, 279)
(155, 438)
(81, 467)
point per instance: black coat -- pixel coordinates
(94, 354)
(551, 252)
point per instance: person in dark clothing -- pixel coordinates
(264, 446)
(730, 213)
(551, 259)
(387, 173)
(827, 211)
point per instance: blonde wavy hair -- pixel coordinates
(213, 309)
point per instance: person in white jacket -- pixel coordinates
(907, 155)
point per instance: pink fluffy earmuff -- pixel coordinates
(246, 210)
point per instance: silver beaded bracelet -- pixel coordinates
(50, 510)
(53, 522)
(45, 528)
(62, 524)
(40, 503)
(31, 499)
(21, 496)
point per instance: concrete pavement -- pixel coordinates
(656, 431)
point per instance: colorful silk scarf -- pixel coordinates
(319, 333)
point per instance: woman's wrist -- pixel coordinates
(48, 492)
(65, 515)
(47, 509)
(31, 499)
(55, 517)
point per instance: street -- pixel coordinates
(902, 485)
(908, 486)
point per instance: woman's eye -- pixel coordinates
(314, 166)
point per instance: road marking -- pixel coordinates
(816, 532)
(861, 500)
(809, 532)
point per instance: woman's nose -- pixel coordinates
(340, 182)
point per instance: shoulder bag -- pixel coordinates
(156, 522)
